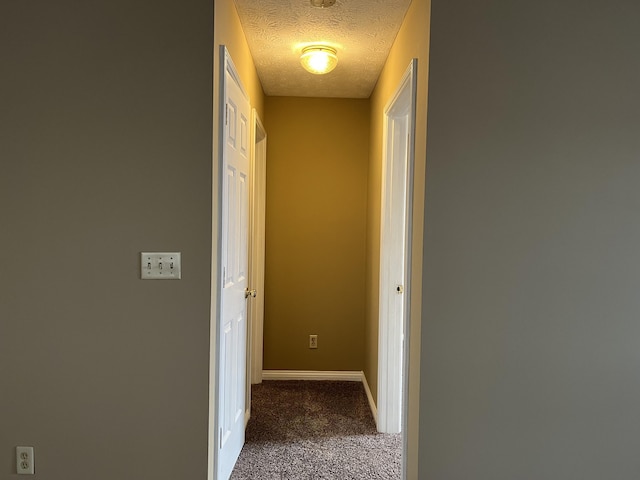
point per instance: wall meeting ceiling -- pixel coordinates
(361, 30)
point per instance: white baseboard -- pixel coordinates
(345, 376)
(372, 403)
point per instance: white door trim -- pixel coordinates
(257, 255)
(227, 66)
(393, 343)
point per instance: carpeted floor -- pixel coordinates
(312, 430)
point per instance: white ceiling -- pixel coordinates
(361, 30)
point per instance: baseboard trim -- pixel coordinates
(372, 403)
(345, 376)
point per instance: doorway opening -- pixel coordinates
(399, 133)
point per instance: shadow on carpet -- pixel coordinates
(312, 430)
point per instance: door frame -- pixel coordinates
(257, 251)
(393, 398)
(226, 66)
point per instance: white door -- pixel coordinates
(233, 304)
(395, 248)
(392, 276)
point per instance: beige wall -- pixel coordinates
(105, 151)
(315, 234)
(412, 42)
(532, 268)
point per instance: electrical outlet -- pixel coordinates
(24, 461)
(313, 341)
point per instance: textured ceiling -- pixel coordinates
(361, 30)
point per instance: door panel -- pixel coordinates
(233, 316)
(243, 225)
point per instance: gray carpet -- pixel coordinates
(315, 430)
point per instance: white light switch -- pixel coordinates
(160, 266)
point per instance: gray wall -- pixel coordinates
(105, 151)
(531, 330)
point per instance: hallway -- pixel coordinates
(324, 185)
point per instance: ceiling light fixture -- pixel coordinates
(319, 59)
(322, 3)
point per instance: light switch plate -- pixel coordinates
(160, 266)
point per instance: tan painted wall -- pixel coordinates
(315, 236)
(412, 42)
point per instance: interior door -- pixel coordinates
(395, 252)
(235, 250)
(393, 274)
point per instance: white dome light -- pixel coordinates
(322, 3)
(319, 59)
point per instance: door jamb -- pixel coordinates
(258, 156)
(256, 326)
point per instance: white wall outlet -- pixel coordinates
(160, 266)
(24, 461)
(313, 341)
